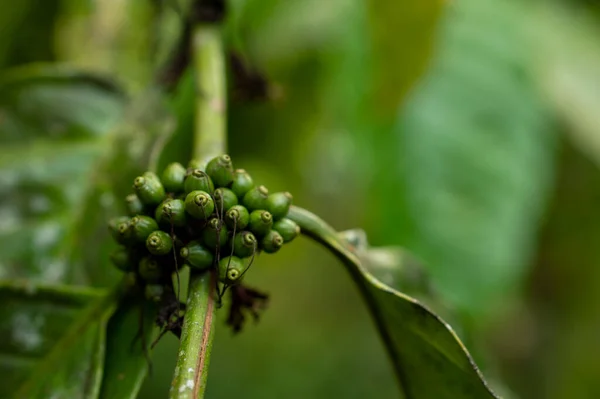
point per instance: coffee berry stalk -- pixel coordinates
(208, 217)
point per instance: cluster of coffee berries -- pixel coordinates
(211, 217)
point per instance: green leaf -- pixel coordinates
(72, 148)
(428, 358)
(126, 364)
(53, 128)
(34, 318)
(478, 150)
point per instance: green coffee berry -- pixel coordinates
(149, 189)
(224, 199)
(142, 226)
(149, 269)
(134, 205)
(215, 234)
(197, 256)
(256, 198)
(242, 182)
(272, 242)
(122, 259)
(231, 269)
(197, 164)
(279, 204)
(244, 244)
(159, 243)
(171, 211)
(260, 222)
(199, 204)
(237, 217)
(220, 170)
(125, 235)
(154, 292)
(198, 180)
(287, 228)
(173, 177)
(113, 227)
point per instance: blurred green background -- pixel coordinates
(466, 131)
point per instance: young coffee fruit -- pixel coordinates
(237, 217)
(244, 244)
(220, 170)
(154, 292)
(159, 243)
(260, 222)
(287, 228)
(122, 259)
(149, 269)
(242, 182)
(198, 180)
(134, 205)
(142, 226)
(279, 204)
(173, 177)
(231, 269)
(171, 212)
(149, 189)
(197, 256)
(119, 229)
(256, 198)
(214, 234)
(224, 199)
(199, 204)
(272, 242)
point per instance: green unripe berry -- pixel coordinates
(159, 243)
(173, 177)
(242, 182)
(198, 180)
(199, 204)
(231, 269)
(122, 259)
(215, 234)
(142, 226)
(224, 200)
(272, 242)
(260, 222)
(256, 198)
(134, 205)
(197, 256)
(279, 204)
(171, 211)
(154, 292)
(244, 244)
(237, 217)
(120, 235)
(196, 164)
(149, 189)
(149, 269)
(220, 170)
(287, 228)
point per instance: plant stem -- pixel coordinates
(197, 334)
(209, 64)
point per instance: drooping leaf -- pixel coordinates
(427, 356)
(33, 319)
(478, 152)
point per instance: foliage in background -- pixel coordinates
(462, 180)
